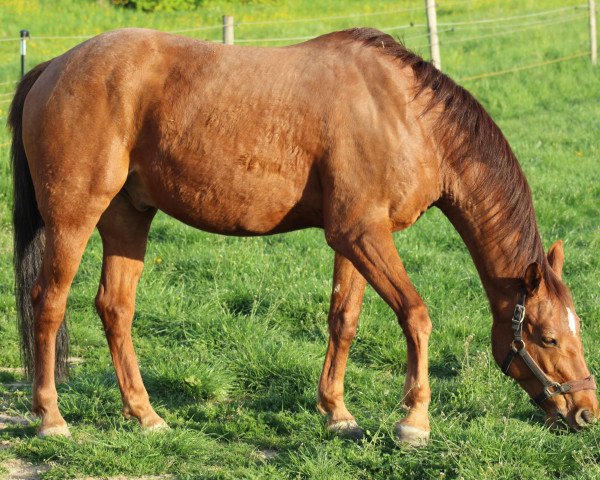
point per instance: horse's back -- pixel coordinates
(230, 139)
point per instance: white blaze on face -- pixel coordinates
(572, 324)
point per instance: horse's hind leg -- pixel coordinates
(346, 299)
(62, 255)
(124, 232)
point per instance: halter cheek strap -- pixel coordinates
(517, 347)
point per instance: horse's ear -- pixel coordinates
(533, 278)
(556, 257)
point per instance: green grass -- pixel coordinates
(231, 332)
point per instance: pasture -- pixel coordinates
(231, 332)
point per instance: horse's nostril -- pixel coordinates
(588, 416)
(583, 418)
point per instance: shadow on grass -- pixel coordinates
(173, 392)
(21, 432)
(282, 393)
(446, 369)
(273, 394)
(245, 304)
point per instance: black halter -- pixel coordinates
(517, 347)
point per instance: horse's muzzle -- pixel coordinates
(581, 418)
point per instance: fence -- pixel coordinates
(434, 32)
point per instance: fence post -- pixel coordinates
(24, 36)
(434, 42)
(593, 38)
(228, 29)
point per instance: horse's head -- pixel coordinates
(541, 347)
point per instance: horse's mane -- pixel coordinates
(472, 139)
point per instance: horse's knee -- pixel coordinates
(415, 320)
(344, 323)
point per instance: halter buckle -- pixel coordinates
(518, 317)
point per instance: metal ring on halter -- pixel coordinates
(558, 389)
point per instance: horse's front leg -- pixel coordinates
(346, 299)
(371, 249)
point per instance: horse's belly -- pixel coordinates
(224, 199)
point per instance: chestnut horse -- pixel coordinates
(349, 132)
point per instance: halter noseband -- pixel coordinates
(517, 347)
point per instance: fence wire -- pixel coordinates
(485, 24)
(334, 17)
(523, 67)
(517, 30)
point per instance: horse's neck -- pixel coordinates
(502, 241)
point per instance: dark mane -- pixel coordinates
(473, 140)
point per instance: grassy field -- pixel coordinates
(231, 332)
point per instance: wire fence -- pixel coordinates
(329, 18)
(259, 22)
(516, 30)
(450, 32)
(524, 67)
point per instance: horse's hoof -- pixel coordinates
(161, 426)
(347, 429)
(410, 435)
(59, 431)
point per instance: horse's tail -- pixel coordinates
(28, 234)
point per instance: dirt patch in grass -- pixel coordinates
(17, 370)
(145, 477)
(21, 470)
(18, 469)
(9, 420)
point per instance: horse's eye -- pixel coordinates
(550, 342)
